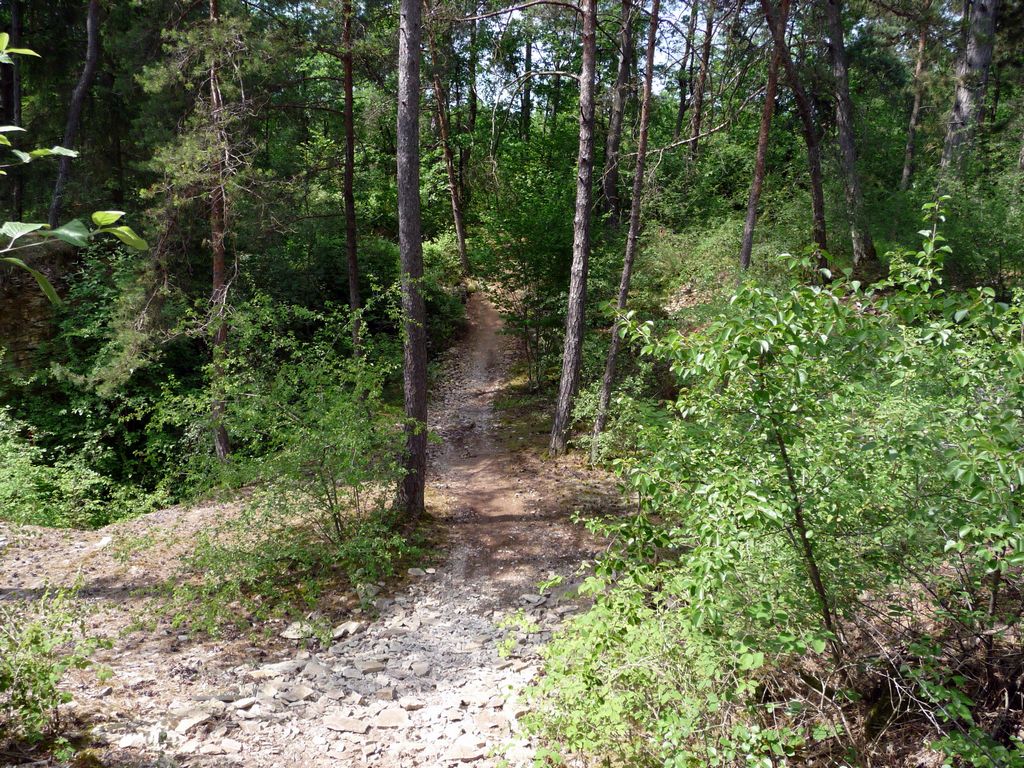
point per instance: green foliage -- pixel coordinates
(315, 438)
(823, 439)
(40, 642)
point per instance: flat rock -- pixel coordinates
(297, 630)
(466, 749)
(394, 717)
(190, 719)
(346, 629)
(410, 703)
(345, 724)
(297, 693)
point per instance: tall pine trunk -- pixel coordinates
(810, 132)
(686, 73)
(444, 128)
(526, 106)
(702, 79)
(860, 233)
(574, 320)
(761, 158)
(414, 314)
(465, 151)
(348, 192)
(74, 120)
(218, 232)
(633, 236)
(610, 177)
(971, 81)
(915, 109)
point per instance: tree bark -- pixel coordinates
(915, 109)
(610, 177)
(702, 79)
(414, 369)
(810, 132)
(971, 80)
(574, 320)
(633, 236)
(74, 121)
(218, 231)
(686, 73)
(348, 183)
(444, 125)
(465, 151)
(18, 188)
(860, 233)
(761, 158)
(526, 106)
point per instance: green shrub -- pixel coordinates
(829, 526)
(40, 641)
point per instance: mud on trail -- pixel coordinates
(433, 680)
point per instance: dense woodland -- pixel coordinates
(762, 260)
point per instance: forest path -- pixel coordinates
(433, 681)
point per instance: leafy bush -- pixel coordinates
(321, 449)
(829, 530)
(40, 642)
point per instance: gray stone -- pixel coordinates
(410, 703)
(297, 630)
(344, 724)
(392, 718)
(297, 693)
(346, 629)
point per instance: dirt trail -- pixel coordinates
(423, 685)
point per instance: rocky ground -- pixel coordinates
(433, 679)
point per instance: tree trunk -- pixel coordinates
(860, 233)
(702, 79)
(465, 150)
(810, 132)
(85, 81)
(633, 236)
(443, 123)
(414, 370)
(526, 106)
(218, 231)
(18, 191)
(915, 109)
(761, 158)
(574, 320)
(610, 178)
(686, 73)
(348, 192)
(971, 80)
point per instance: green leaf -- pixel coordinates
(127, 236)
(44, 284)
(25, 157)
(16, 229)
(106, 218)
(43, 152)
(750, 661)
(4, 40)
(74, 232)
(11, 129)
(23, 52)
(960, 314)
